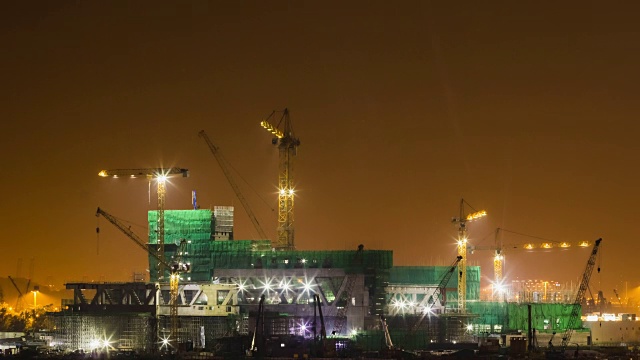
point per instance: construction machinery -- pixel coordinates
(287, 144)
(258, 339)
(387, 337)
(227, 173)
(160, 175)
(499, 249)
(461, 221)
(433, 298)
(574, 318)
(19, 301)
(176, 267)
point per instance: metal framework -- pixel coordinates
(161, 176)
(575, 309)
(287, 148)
(292, 291)
(177, 266)
(462, 251)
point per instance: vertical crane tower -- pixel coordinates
(287, 144)
(461, 221)
(161, 176)
(176, 267)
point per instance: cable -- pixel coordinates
(531, 236)
(245, 181)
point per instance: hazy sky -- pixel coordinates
(526, 109)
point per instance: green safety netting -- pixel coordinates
(514, 316)
(431, 275)
(194, 225)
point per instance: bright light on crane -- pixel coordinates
(287, 148)
(476, 215)
(160, 174)
(461, 221)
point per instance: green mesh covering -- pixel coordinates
(513, 316)
(223, 257)
(431, 275)
(194, 225)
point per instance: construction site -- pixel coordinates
(210, 292)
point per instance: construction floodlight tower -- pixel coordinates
(461, 221)
(160, 175)
(287, 147)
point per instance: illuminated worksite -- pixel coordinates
(219, 296)
(207, 287)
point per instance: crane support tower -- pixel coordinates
(461, 221)
(287, 149)
(227, 173)
(176, 267)
(575, 310)
(160, 175)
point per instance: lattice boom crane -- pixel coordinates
(575, 311)
(227, 173)
(176, 267)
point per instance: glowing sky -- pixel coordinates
(528, 110)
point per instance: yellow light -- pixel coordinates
(584, 244)
(547, 245)
(476, 215)
(529, 246)
(103, 173)
(565, 245)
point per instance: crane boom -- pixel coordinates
(575, 311)
(176, 268)
(131, 235)
(438, 291)
(227, 173)
(15, 286)
(161, 176)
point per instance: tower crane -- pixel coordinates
(223, 165)
(287, 149)
(444, 280)
(500, 248)
(160, 175)
(461, 221)
(575, 310)
(176, 267)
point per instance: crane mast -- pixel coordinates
(176, 268)
(575, 309)
(287, 149)
(160, 175)
(462, 251)
(227, 173)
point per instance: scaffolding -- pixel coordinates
(88, 332)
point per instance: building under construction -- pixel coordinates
(219, 296)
